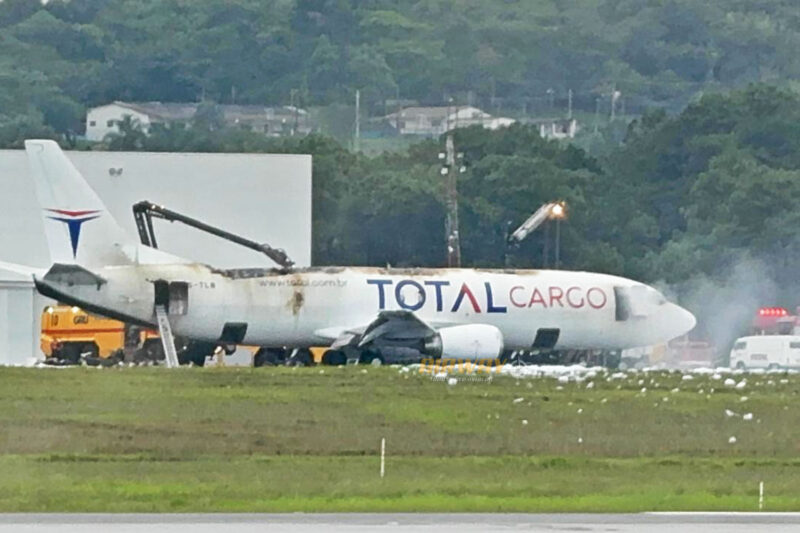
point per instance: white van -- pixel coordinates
(766, 351)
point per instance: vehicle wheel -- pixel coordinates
(90, 349)
(70, 352)
(740, 365)
(773, 366)
(334, 358)
(506, 356)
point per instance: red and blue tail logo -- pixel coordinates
(74, 220)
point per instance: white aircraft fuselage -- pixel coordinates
(308, 307)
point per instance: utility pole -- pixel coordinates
(615, 94)
(293, 105)
(357, 139)
(450, 172)
(596, 113)
(546, 247)
(569, 104)
(558, 243)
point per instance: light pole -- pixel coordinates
(558, 212)
(542, 216)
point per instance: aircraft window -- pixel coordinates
(623, 304)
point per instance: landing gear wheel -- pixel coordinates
(302, 358)
(198, 360)
(334, 358)
(195, 352)
(370, 357)
(267, 357)
(229, 349)
(153, 350)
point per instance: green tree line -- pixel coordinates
(513, 57)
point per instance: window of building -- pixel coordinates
(110, 123)
(92, 123)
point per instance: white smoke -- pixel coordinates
(725, 306)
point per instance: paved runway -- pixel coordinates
(402, 523)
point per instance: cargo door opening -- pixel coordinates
(173, 296)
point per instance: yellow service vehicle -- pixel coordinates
(69, 333)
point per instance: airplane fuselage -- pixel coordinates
(308, 307)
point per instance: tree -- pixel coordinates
(129, 135)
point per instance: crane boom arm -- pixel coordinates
(145, 211)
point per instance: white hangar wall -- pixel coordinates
(264, 197)
(20, 320)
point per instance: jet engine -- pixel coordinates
(470, 341)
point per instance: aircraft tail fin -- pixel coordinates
(78, 226)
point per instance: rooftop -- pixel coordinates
(186, 111)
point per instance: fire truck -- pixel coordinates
(774, 321)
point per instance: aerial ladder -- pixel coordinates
(144, 212)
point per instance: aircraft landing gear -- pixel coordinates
(371, 357)
(269, 357)
(334, 358)
(301, 357)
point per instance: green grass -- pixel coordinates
(279, 439)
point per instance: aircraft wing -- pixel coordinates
(395, 326)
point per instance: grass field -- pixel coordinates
(277, 439)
